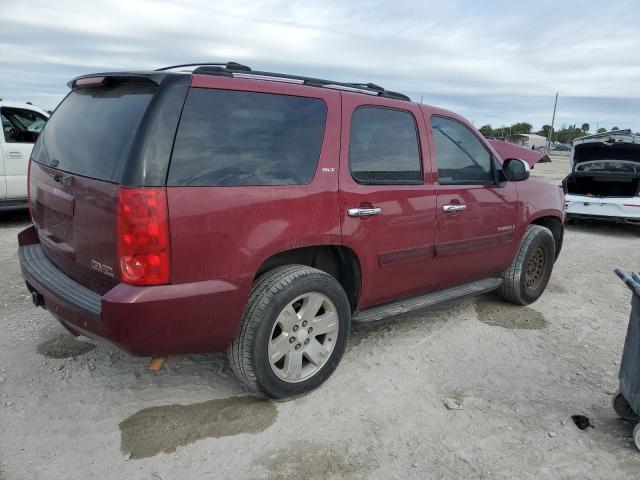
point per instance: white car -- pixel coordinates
(21, 125)
(604, 183)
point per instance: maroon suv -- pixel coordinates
(216, 208)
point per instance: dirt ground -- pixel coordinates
(72, 409)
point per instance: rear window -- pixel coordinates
(92, 131)
(229, 138)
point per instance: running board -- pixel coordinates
(416, 303)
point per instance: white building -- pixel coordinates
(528, 140)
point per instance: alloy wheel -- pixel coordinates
(303, 337)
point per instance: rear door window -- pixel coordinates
(383, 147)
(92, 131)
(230, 138)
(462, 159)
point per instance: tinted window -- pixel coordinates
(92, 131)
(230, 138)
(20, 125)
(383, 147)
(461, 157)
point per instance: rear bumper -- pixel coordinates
(144, 321)
(606, 208)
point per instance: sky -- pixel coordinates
(493, 62)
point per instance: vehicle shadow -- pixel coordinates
(111, 368)
(422, 322)
(14, 218)
(604, 228)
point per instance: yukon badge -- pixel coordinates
(99, 267)
(506, 228)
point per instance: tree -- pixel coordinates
(568, 134)
(486, 130)
(522, 127)
(614, 129)
(585, 127)
(602, 130)
(545, 131)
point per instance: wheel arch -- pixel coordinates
(339, 261)
(555, 225)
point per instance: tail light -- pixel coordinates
(143, 236)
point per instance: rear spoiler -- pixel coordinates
(109, 79)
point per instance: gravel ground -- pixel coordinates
(73, 409)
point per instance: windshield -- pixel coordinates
(92, 131)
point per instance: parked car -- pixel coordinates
(604, 183)
(560, 147)
(21, 125)
(510, 150)
(259, 213)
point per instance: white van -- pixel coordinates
(21, 125)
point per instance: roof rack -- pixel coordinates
(230, 65)
(231, 69)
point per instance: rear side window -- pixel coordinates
(383, 147)
(462, 159)
(92, 131)
(229, 138)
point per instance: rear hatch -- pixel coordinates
(109, 132)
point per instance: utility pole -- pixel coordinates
(553, 119)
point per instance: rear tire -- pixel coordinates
(529, 273)
(293, 332)
(636, 435)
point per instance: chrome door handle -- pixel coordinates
(453, 208)
(363, 212)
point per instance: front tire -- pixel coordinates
(293, 333)
(529, 273)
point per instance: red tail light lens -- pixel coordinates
(143, 236)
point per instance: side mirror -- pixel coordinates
(516, 170)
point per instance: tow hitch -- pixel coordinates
(38, 299)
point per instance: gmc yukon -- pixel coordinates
(215, 208)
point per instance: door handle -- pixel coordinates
(14, 155)
(453, 208)
(363, 212)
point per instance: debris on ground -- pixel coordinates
(582, 422)
(452, 404)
